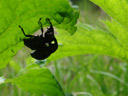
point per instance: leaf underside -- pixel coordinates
(88, 40)
(27, 13)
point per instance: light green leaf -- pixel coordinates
(117, 9)
(27, 13)
(88, 40)
(39, 81)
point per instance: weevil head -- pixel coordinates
(49, 35)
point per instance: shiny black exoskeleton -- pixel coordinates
(43, 45)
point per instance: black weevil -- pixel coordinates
(43, 46)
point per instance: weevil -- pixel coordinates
(43, 45)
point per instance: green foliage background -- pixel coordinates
(93, 75)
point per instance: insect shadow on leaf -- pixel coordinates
(43, 46)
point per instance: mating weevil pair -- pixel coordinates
(45, 45)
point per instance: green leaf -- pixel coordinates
(117, 9)
(27, 13)
(88, 40)
(39, 81)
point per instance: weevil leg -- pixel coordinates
(48, 20)
(24, 32)
(39, 22)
